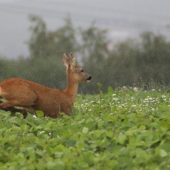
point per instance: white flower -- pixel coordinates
(113, 94)
(135, 89)
(34, 116)
(42, 132)
(163, 96)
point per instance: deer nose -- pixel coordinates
(90, 77)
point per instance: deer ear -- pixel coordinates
(65, 60)
(72, 59)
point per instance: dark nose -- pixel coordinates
(89, 78)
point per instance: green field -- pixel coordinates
(124, 129)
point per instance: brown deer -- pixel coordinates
(31, 96)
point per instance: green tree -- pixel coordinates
(94, 51)
(44, 65)
(154, 58)
(121, 64)
(8, 68)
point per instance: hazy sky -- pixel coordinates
(125, 18)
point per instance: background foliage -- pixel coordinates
(123, 63)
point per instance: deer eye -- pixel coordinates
(82, 70)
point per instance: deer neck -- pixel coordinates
(72, 88)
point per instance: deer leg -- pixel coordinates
(14, 110)
(11, 109)
(6, 107)
(30, 109)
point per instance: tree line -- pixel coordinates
(126, 63)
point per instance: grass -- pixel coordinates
(127, 128)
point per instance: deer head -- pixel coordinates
(75, 73)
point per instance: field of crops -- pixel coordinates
(124, 129)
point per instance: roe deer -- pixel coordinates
(31, 96)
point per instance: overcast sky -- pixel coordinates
(125, 18)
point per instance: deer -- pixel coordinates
(31, 97)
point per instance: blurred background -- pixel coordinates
(118, 42)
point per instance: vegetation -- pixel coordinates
(123, 129)
(123, 64)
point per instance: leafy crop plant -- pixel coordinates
(127, 128)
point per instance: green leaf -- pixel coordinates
(110, 90)
(142, 127)
(165, 146)
(164, 107)
(65, 133)
(163, 153)
(59, 148)
(109, 134)
(85, 130)
(55, 165)
(39, 127)
(122, 138)
(16, 129)
(78, 117)
(71, 142)
(40, 113)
